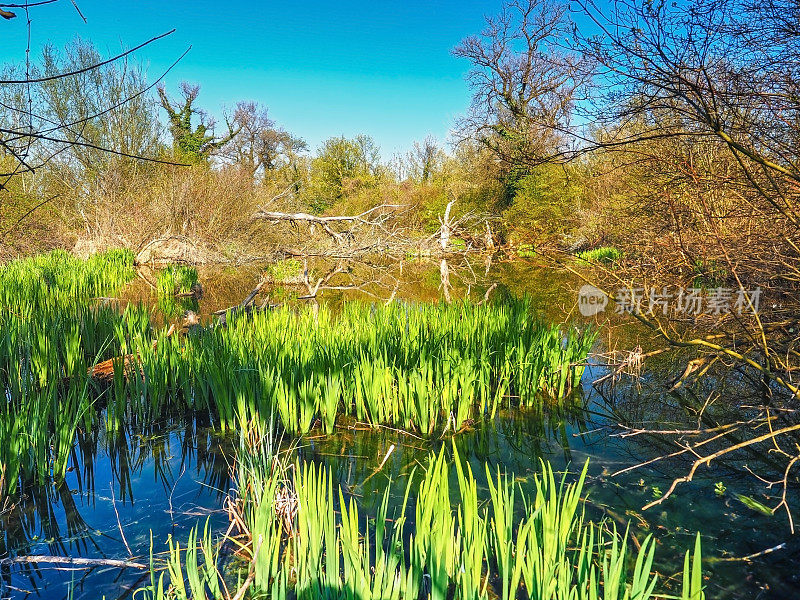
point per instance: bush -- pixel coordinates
(543, 204)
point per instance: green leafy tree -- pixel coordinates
(343, 165)
(192, 143)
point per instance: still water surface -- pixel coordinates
(129, 488)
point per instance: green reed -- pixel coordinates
(49, 336)
(191, 573)
(442, 542)
(172, 286)
(421, 367)
(427, 368)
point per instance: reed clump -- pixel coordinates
(603, 254)
(50, 333)
(443, 541)
(427, 368)
(177, 289)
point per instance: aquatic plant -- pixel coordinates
(191, 572)
(49, 335)
(708, 274)
(603, 254)
(526, 251)
(303, 535)
(176, 279)
(176, 289)
(427, 368)
(422, 367)
(289, 270)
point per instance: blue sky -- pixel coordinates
(323, 68)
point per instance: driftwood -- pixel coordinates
(195, 292)
(246, 307)
(325, 222)
(69, 560)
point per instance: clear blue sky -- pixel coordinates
(378, 67)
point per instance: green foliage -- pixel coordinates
(526, 251)
(49, 336)
(342, 166)
(427, 368)
(754, 504)
(719, 488)
(604, 254)
(288, 270)
(542, 202)
(173, 285)
(176, 279)
(192, 572)
(692, 588)
(421, 367)
(708, 274)
(194, 144)
(443, 541)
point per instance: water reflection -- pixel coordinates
(165, 476)
(163, 480)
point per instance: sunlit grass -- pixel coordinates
(604, 254)
(301, 536)
(421, 367)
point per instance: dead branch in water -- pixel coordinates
(69, 560)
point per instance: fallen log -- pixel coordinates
(104, 371)
(325, 222)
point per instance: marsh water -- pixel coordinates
(128, 491)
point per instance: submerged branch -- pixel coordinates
(69, 560)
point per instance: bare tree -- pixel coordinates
(701, 114)
(259, 146)
(524, 85)
(34, 133)
(723, 70)
(424, 159)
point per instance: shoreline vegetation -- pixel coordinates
(427, 369)
(299, 536)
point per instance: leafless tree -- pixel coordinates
(721, 70)
(424, 159)
(259, 146)
(524, 83)
(35, 131)
(700, 109)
